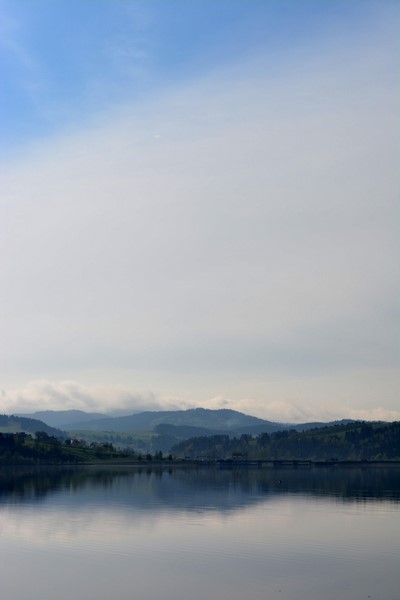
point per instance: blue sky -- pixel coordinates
(65, 62)
(199, 205)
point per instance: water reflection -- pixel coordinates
(199, 533)
(196, 488)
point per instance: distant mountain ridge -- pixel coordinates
(16, 423)
(225, 419)
(198, 420)
(63, 418)
(152, 431)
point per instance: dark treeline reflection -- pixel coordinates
(195, 488)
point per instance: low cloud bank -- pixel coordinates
(67, 395)
(41, 395)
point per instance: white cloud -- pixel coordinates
(282, 411)
(41, 395)
(64, 395)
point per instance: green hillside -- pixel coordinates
(17, 424)
(22, 448)
(355, 441)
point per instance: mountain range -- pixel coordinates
(16, 424)
(151, 431)
(224, 419)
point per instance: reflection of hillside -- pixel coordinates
(204, 489)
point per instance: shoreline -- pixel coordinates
(221, 464)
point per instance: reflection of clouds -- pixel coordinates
(89, 551)
(93, 524)
(59, 526)
(96, 524)
(104, 529)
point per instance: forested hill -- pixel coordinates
(14, 424)
(354, 441)
(228, 420)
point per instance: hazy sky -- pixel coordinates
(199, 206)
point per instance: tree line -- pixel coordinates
(355, 441)
(42, 448)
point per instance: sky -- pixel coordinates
(199, 206)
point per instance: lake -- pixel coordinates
(200, 533)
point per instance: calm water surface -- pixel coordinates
(91, 533)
